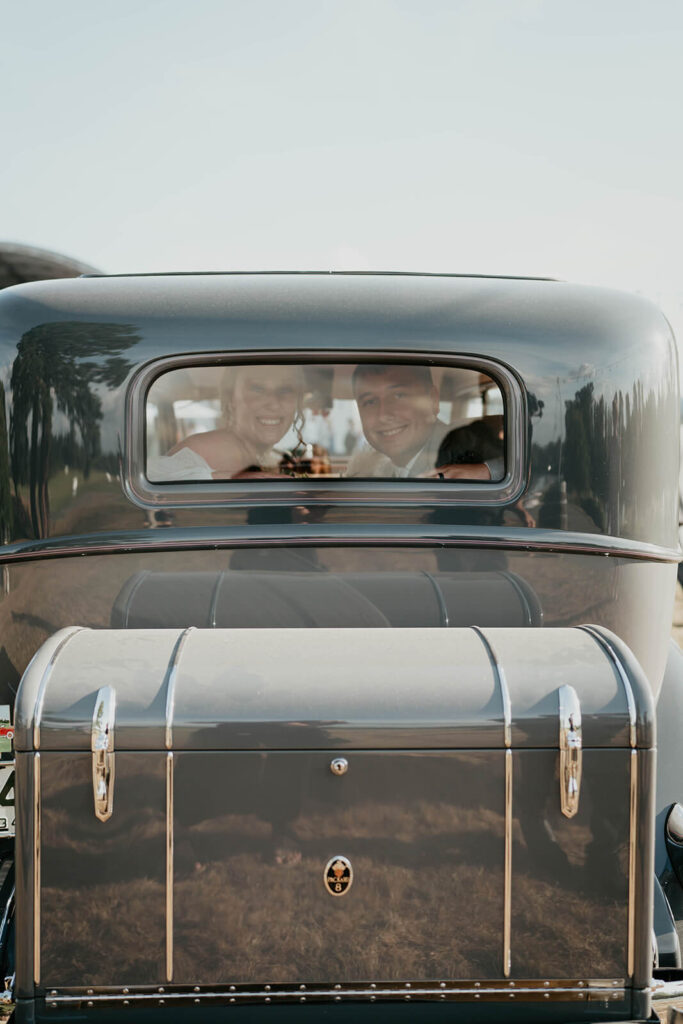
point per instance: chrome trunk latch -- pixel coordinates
(102, 746)
(570, 750)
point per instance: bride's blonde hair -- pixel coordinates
(229, 381)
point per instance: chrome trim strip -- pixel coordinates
(36, 868)
(42, 689)
(510, 577)
(632, 863)
(129, 599)
(169, 866)
(507, 881)
(633, 792)
(171, 673)
(465, 985)
(214, 600)
(565, 991)
(628, 691)
(502, 683)
(443, 610)
(423, 535)
(499, 672)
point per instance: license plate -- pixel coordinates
(7, 799)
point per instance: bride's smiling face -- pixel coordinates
(263, 403)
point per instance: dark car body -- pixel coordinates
(580, 528)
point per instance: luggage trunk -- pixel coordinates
(456, 818)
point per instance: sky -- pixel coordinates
(540, 137)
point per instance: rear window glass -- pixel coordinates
(388, 420)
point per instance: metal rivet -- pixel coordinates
(89, 992)
(512, 995)
(53, 992)
(337, 987)
(477, 984)
(302, 988)
(232, 988)
(126, 1002)
(373, 985)
(407, 998)
(161, 1002)
(53, 1005)
(407, 984)
(477, 995)
(443, 995)
(232, 1000)
(302, 999)
(373, 998)
(511, 984)
(442, 985)
(197, 989)
(90, 1002)
(337, 999)
(581, 984)
(546, 984)
(267, 988)
(546, 995)
(582, 995)
(197, 1000)
(160, 989)
(267, 999)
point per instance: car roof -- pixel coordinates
(341, 309)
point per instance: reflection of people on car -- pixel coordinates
(399, 407)
(260, 404)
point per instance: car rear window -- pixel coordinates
(258, 421)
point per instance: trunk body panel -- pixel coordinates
(213, 874)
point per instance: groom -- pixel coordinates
(399, 412)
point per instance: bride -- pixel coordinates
(260, 404)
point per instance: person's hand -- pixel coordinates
(460, 471)
(525, 517)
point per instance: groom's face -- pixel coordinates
(398, 408)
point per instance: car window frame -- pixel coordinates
(311, 491)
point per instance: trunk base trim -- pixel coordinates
(568, 990)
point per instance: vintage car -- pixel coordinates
(334, 623)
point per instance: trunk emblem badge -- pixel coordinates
(338, 875)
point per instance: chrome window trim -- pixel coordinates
(197, 494)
